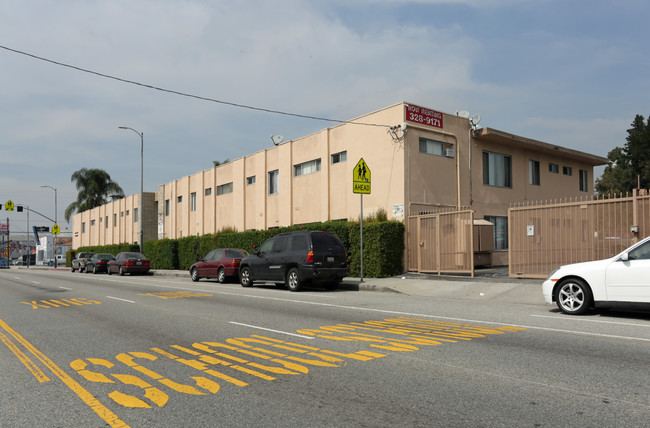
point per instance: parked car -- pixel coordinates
(79, 262)
(4, 263)
(220, 263)
(99, 263)
(621, 280)
(296, 258)
(128, 262)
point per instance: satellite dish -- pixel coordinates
(475, 119)
(403, 127)
(462, 113)
(277, 139)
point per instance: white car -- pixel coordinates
(622, 279)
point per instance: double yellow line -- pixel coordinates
(101, 410)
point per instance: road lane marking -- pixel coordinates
(31, 366)
(65, 288)
(124, 300)
(35, 282)
(92, 402)
(569, 317)
(270, 329)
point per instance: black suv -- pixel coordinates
(295, 258)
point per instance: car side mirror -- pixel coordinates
(624, 257)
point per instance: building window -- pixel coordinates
(567, 170)
(115, 220)
(583, 181)
(306, 168)
(193, 201)
(179, 199)
(437, 148)
(339, 157)
(274, 182)
(83, 227)
(250, 180)
(121, 214)
(92, 222)
(533, 170)
(128, 212)
(500, 231)
(497, 170)
(224, 188)
(208, 191)
(135, 215)
(166, 207)
(106, 222)
(554, 168)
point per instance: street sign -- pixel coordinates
(361, 178)
(56, 229)
(9, 206)
(42, 228)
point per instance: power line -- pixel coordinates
(184, 94)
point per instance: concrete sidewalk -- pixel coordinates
(491, 284)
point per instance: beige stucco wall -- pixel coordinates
(404, 181)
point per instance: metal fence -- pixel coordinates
(440, 242)
(545, 235)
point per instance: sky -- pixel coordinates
(567, 72)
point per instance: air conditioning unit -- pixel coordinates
(449, 153)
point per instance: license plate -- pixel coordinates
(138, 263)
(330, 259)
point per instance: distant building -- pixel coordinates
(435, 160)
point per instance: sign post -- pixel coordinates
(361, 185)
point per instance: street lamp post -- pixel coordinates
(140, 220)
(56, 264)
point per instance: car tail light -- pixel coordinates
(310, 257)
(146, 263)
(101, 262)
(129, 263)
(236, 262)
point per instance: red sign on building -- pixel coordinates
(423, 115)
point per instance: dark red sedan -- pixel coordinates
(220, 263)
(130, 263)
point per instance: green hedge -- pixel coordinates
(383, 246)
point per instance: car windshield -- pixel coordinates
(134, 256)
(234, 254)
(104, 256)
(325, 241)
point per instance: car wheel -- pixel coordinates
(108, 270)
(195, 275)
(121, 271)
(245, 277)
(293, 279)
(72, 269)
(573, 297)
(221, 275)
(94, 270)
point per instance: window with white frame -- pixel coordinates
(533, 172)
(274, 185)
(193, 201)
(437, 148)
(250, 180)
(224, 188)
(497, 169)
(306, 168)
(339, 157)
(584, 186)
(553, 168)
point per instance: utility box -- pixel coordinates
(483, 242)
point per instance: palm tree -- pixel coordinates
(95, 188)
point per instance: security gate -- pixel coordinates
(441, 242)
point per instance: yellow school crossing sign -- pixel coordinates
(56, 229)
(361, 178)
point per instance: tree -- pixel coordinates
(629, 166)
(95, 189)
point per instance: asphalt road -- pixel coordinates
(93, 350)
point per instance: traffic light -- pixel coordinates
(19, 208)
